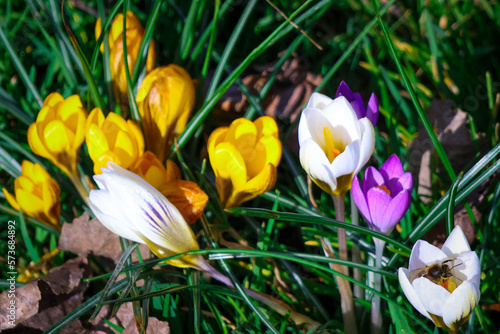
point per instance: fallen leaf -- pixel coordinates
(84, 236)
(44, 301)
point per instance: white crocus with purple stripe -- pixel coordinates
(132, 208)
(447, 305)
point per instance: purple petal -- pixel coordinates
(395, 211)
(354, 99)
(372, 109)
(405, 182)
(360, 200)
(392, 168)
(378, 201)
(372, 179)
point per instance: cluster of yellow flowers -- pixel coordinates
(244, 155)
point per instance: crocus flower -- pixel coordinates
(59, 131)
(244, 157)
(132, 208)
(165, 100)
(134, 35)
(447, 301)
(37, 194)
(370, 111)
(187, 197)
(112, 138)
(385, 196)
(334, 144)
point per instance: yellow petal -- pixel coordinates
(36, 144)
(216, 137)
(97, 32)
(242, 134)
(125, 149)
(264, 181)
(102, 161)
(136, 132)
(57, 138)
(11, 199)
(25, 183)
(52, 99)
(29, 203)
(37, 173)
(267, 151)
(172, 171)
(97, 144)
(51, 199)
(96, 117)
(266, 126)
(187, 197)
(71, 105)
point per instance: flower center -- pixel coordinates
(448, 285)
(331, 150)
(384, 188)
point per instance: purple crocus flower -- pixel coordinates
(384, 196)
(356, 101)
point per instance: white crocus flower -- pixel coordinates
(132, 208)
(334, 144)
(448, 302)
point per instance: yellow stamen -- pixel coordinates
(331, 151)
(384, 188)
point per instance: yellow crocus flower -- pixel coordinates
(59, 131)
(165, 101)
(186, 196)
(37, 194)
(112, 138)
(134, 36)
(244, 157)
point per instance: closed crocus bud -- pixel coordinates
(443, 284)
(112, 138)
(37, 194)
(133, 209)
(134, 36)
(244, 157)
(333, 144)
(59, 131)
(165, 101)
(370, 111)
(385, 195)
(186, 196)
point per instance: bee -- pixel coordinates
(438, 273)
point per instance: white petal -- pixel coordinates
(110, 216)
(432, 296)
(410, 293)
(316, 164)
(318, 101)
(346, 162)
(456, 243)
(460, 304)
(468, 267)
(424, 254)
(341, 116)
(304, 133)
(367, 143)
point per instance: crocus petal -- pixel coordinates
(367, 143)
(468, 267)
(405, 182)
(11, 199)
(410, 292)
(372, 179)
(346, 162)
(359, 199)
(378, 201)
(372, 111)
(456, 243)
(318, 101)
(424, 254)
(342, 117)
(432, 295)
(316, 164)
(395, 211)
(354, 99)
(459, 306)
(392, 168)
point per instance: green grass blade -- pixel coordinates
(33, 253)
(451, 204)
(189, 29)
(130, 88)
(20, 68)
(11, 105)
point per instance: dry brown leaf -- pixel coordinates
(44, 301)
(84, 236)
(451, 127)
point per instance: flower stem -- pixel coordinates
(279, 306)
(376, 311)
(346, 300)
(359, 292)
(77, 182)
